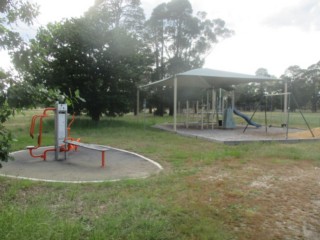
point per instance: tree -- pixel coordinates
(87, 54)
(12, 12)
(297, 86)
(126, 14)
(312, 76)
(5, 113)
(180, 41)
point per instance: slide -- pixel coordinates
(245, 117)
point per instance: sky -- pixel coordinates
(270, 34)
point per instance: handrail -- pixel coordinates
(32, 127)
(70, 123)
(33, 121)
(34, 118)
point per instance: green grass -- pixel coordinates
(171, 205)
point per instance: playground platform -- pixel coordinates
(237, 135)
(83, 165)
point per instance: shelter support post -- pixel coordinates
(175, 97)
(138, 101)
(232, 99)
(187, 115)
(285, 96)
(213, 105)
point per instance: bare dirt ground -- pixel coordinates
(265, 200)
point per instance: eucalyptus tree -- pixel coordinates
(181, 40)
(126, 14)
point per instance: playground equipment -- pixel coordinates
(287, 96)
(246, 118)
(62, 132)
(63, 141)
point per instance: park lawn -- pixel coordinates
(206, 190)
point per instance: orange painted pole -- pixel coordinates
(102, 158)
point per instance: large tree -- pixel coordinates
(181, 40)
(90, 55)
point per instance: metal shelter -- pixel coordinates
(204, 78)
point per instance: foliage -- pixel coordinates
(13, 12)
(126, 14)
(104, 63)
(303, 84)
(5, 113)
(180, 40)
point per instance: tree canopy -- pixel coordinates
(304, 84)
(92, 54)
(13, 12)
(181, 40)
(112, 49)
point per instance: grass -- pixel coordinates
(176, 204)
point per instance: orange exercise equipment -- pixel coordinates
(58, 147)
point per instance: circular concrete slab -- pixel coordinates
(83, 165)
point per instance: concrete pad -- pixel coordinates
(237, 135)
(83, 165)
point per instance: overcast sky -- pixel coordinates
(271, 34)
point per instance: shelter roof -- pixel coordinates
(210, 78)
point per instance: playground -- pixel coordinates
(263, 190)
(204, 107)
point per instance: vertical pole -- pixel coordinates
(56, 130)
(197, 107)
(220, 100)
(288, 112)
(202, 111)
(175, 97)
(213, 108)
(285, 102)
(187, 115)
(265, 113)
(102, 158)
(207, 107)
(232, 99)
(138, 101)
(61, 132)
(207, 113)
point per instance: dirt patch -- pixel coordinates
(306, 134)
(265, 200)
